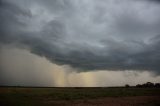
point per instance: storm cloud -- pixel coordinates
(19, 67)
(85, 34)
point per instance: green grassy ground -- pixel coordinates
(36, 96)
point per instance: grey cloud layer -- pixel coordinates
(86, 34)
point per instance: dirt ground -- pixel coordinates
(111, 101)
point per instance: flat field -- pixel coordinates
(98, 96)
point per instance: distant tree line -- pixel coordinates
(145, 85)
(148, 85)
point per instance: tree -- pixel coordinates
(127, 86)
(157, 85)
(149, 84)
(139, 85)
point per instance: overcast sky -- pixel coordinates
(110, 40)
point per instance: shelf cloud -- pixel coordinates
(85, 34)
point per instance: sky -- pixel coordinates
(68, 43)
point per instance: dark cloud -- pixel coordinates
(157, 1)
(117, 36)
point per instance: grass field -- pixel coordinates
(15, 96)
